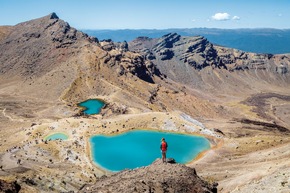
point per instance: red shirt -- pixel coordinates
(163, 146)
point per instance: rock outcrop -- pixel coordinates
(158, 178)
(11, 187)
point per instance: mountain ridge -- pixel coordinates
(195, 55)
(264, 40)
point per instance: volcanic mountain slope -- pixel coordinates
(185, 84)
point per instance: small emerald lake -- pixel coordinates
(56, 136)
(92, 106)
(140, 148)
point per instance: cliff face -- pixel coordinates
(238, 60)
(195, 51)
(186, 59)
(199, 53)
(157, 177)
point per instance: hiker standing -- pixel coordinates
(163, 148)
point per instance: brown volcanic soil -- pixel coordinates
(55, 66)
(265, 106)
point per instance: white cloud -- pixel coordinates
(236, 18)
(221, 16)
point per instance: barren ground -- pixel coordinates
(247, 157)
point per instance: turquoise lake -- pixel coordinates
(92, 106)
(140, 148)
(56, 136)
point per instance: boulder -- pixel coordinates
(11, 187)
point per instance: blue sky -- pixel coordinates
(152, 14)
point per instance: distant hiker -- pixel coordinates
(163, 148)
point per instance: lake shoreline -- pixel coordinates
(85, 109)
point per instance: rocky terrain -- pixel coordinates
(158, 177)
(174, 54)
(238, 100)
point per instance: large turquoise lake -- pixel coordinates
(92, 106)
(140, 148)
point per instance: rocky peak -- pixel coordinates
(53, 16)
(49, 28)
(38, 45)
